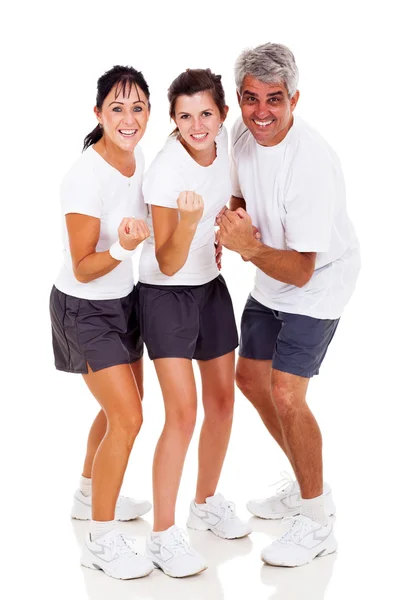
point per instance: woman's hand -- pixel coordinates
(132, 232)
(190, 207)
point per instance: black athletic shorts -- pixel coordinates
(179, 321)
(98, 333)
(296, 344)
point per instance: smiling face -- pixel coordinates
(198, 120)
(267, 110)
(124, 117)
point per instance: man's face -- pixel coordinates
(267, 110)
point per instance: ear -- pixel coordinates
(98, 115)
(294, 99)
(238, 97)
(225, 113)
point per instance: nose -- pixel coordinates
(263, 111)
(129, 118)
(197, 124)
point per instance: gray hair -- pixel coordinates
(269, 63)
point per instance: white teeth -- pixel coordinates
(199, 136)
(128, 131)
(262, 123)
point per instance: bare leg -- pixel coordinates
(300, 431)
(253, 378)
(99, 426)
(179, 392)
(218, 398)
(116, 391)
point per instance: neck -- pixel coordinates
(122, 160)
(205, 157)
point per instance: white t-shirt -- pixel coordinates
(174, 171)
(93, 187)
(295, 195)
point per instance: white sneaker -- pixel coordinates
(287, 501)
(114, 554)
(170, 551)
(305, 540)
(219, 516)
(125, 510)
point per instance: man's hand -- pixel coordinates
(190, 206)
(132, 232)
(237, 233)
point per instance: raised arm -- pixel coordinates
(174, 230)
(83, 234)
(288, 266)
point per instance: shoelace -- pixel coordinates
(283, 484)
(178, 544)
(298, 529)
(122, 544)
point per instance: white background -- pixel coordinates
(52, 54)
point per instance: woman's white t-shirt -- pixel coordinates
(295, 195)
(174, 171)
(93, 187)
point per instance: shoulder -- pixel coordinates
(167, 163)
(309, 146)
(82, 171)
(240, 136)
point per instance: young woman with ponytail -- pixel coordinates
(94, 322)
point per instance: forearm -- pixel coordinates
(236, 202)
(288, 266)
(173, 254)
(95, 265)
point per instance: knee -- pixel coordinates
(257, 392)
(220, 407)
(283, 399)
(182, 420)
(244, 382)
(127, 426)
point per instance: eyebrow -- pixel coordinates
(280, 93)
(122, 103)
(184, 112)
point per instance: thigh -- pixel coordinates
(302, 344)
(260, 328)
(169, 321)
(218, 379)
(178, 386)
(137, 370)
(116, 391)
(217, 332)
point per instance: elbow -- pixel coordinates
(167, 270)
(82, 278)
(303, 278)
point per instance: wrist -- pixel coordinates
(251, 250)
(118, 252)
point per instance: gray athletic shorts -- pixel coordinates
(296, 344)
(101, 333)
(179, 321)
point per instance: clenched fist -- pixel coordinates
(132, 232)
(190, 206)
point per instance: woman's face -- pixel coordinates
(198, 120)
(124, 117)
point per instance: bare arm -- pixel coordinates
(174, 230)
(288, 266)
(83, 234)
(236, 203)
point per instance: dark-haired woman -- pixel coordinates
(186, 313)
(94, 325)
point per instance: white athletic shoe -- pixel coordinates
(219, 516)
(287, 501)
(126, 509)
(170, 551)
(114, 554)
(305, 540)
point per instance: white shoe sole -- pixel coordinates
(159, 565)
(194, 522)
(330, 509)
(85, 562)
(330, 548)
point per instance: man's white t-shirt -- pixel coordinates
(93, 187)
(174, 171)
(295, 195)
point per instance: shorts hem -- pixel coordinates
(218, 355)
(242, 355)
(294, 371)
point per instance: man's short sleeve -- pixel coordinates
(309, 202)
(80, 191)
(236, 191)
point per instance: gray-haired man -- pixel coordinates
(288, 183)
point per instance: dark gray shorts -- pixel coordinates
(296, 344)
(101, 333)
(179, 321)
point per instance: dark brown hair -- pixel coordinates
(193, 81)
(124, 78)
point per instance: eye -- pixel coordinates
(137, 109)
(273, 100)
(206, 113)
(117, 109)
(250, 99)
(185, 116)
